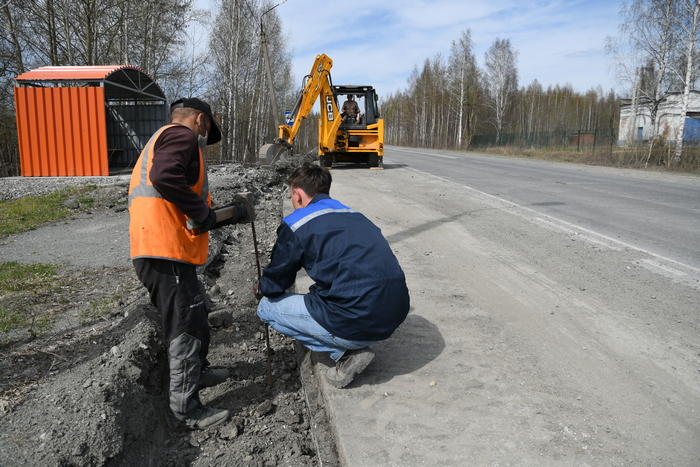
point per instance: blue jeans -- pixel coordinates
(288, 315)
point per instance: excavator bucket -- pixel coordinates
(271, 153)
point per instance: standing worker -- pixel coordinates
(169, 185)
(359, 295)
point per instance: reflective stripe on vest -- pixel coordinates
(157, 227)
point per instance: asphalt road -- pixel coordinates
(655, 213)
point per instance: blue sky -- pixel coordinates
(379, 43)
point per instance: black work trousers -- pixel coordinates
(174, 290)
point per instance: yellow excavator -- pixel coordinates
(341, 138)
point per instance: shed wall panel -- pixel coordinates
(129, 127)
(75, 127)
(62, 131)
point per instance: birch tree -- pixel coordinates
(464, 87)
(501, 80)
(415, 118)
(531, 104)
(11, 46)
(96, 32)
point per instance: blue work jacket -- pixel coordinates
(359, 291)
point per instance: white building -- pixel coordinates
(635, 126)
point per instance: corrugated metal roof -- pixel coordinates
(54, 73)
(126, 79)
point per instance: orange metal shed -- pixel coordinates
(83, 120)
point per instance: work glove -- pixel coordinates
(208, 223)
(241, 211)
(245, 210)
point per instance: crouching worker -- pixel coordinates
(169, 188)
(359, 295)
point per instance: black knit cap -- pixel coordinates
(194, 103)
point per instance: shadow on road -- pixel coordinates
(415, 343)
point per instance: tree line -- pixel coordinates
(450, 101)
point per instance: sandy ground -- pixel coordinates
(527, 343)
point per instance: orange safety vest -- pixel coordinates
(157, 227)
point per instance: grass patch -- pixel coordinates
(22, 280)
(97, 309)
(28, 213)
(26, 277)
(38, 298)
(34, 298)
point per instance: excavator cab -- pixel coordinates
(367, 101)
(358, 140)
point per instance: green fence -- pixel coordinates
(569, 139)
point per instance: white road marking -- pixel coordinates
(656, 266)
(661, 265)
(427, 154)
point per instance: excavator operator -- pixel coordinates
(351, 111)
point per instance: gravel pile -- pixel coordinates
(20, 187)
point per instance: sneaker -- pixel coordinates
(350, 365)
(211, 376)
(201, 418)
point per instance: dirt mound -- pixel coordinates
(93, 392)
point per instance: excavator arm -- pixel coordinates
(317, 85)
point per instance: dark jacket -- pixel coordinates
(176, 169)
(360, 290)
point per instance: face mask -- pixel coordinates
(202, 140)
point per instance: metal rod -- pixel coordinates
(267, 328)
(257, 255)
(269, 356)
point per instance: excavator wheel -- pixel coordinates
(326, 160)
(373, 160)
